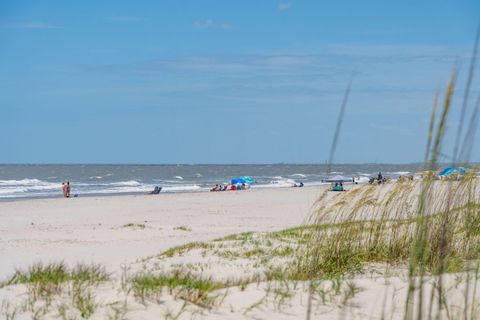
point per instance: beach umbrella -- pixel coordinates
(453, 170)
(247, 180)
(338, 179)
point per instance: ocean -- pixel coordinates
(44, 181)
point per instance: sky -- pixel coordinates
(217, 81)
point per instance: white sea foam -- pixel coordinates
(12, 191)
(113, 190)
(299, 175)
(362, 179)
(364, 174)
(125, 183)
(400, 173)
(178, 177)
(181, 188)
(278, 182)
(23, 182)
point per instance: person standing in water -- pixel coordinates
(68, 189)
(64, 189)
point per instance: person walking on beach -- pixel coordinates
(64, 189)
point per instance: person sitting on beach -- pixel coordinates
(233, 188)
(225, 188)
(380, 178)
(337, 187)
(156, 190)
(300, 185)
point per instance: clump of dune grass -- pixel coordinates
(182, 285)
(42, 280)
(185, 248)
(85, 304)
(183, 228)
(45, 281)
(134, 225)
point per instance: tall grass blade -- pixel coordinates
(465, 97)
(338, 127)
(432, 126)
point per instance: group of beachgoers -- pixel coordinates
(66, 189)
(338, 187)
(380, 179)
(230, 187)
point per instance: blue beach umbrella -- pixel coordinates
(453, 170)
(247, 180)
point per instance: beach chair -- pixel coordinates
(156, 190)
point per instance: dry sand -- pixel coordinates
(95, 230)
(91, 229)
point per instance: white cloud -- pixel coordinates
(32, 25)
(210, 24)
(284, 5)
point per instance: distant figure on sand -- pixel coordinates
(380, 178)
(68, 189)
(64, 189)
(156, 190)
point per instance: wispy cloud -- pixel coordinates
(32, 25)
(284, 5)
(211, 24)
(335, 58)
(117, 18)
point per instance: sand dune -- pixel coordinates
(127, 235)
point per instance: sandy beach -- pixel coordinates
(91, 229)
(234, 241)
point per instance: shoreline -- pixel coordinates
(135, 194)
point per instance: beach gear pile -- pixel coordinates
(240, 183)
(337, 182)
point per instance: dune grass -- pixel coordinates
(44, 282)
(182, 285)
(433, 229)
(134, 225)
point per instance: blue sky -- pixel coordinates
(226, 81)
